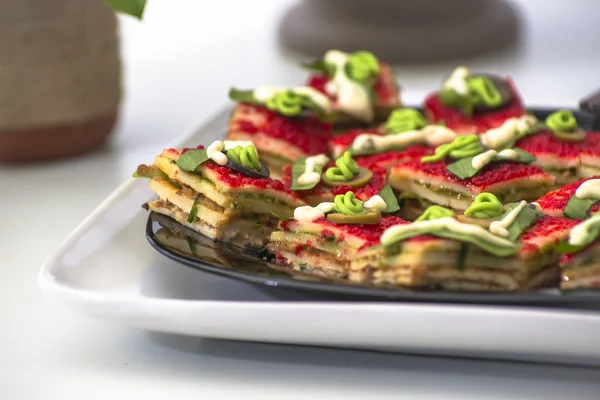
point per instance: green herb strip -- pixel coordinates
(527, 217)
(391, 201)
(193, 211)
(298, 169)
(463, 168)
(192, 159)
(577, 208)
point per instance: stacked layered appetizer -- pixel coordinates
(337, 178)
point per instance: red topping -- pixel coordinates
(545, 227)
(186, 149)
(479, 122)
(235, 179)
(374, 186)
(369, 233)
(326, 233)
(489, 175)
(391, 158)
(309, 134)
(346, 139)
(546, 143)
(558, 199)
(592, 144)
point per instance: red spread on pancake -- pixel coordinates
(235, 179)
(489, 175)
(557, 200)
(309, 134)
(546, 143)
(370, 233)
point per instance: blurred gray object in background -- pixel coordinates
(401, 31)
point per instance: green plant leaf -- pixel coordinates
(527, 216)
(577, 208)
(298, 169)
(191, 159)
(135, 8)
(317, 65)
(243, 96)
(565, 248)
(193, 211)
(391, 201)
(463, 168)
(150, 171)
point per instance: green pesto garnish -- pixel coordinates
(483, 92)
(287, 103)
(347, 204)
(346, 168)
(404, 120)
(245, 156)
(362, 66)
(461, 147)
(485, 205)
(562, 121)
(435, 212)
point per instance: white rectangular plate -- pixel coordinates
(106, 269)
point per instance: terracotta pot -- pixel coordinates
(60, 77)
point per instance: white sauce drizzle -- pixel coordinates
(326, 206)
(500, 228)
(375, 203)
(483, 159)
(352, 98)
(444, 223)
(215, 150)
(589, 189)
(265, 92)
(537, 206)
(503, 135)
(457, 81)
(309, 176)
(432, 135)
(579, 233)
(309, 214)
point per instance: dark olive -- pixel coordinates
(505, 90)
(252, 173)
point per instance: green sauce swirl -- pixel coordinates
(287, 103)
(435, 212)
(485, 205)
(362, 66)
(245, 156)
(404, 120)
(345, 170)
(484, 92)
(562, 121)
(461, 147)
(347, 204)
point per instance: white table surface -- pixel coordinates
(179, 64)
